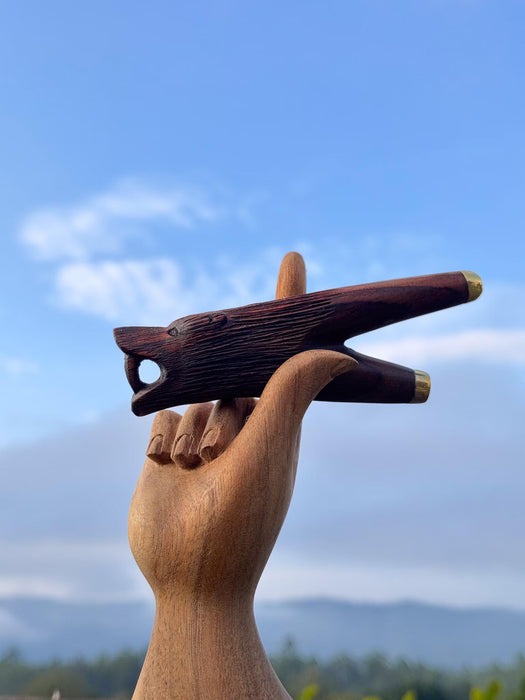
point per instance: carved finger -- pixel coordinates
(185, 452)
(225, 422)
(162, 436)
(291, 282)
(272, 429)
(292, 276)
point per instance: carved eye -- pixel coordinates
(173, 331)
(218, 319)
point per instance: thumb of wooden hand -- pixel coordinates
(271, 432)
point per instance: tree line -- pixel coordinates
(373, 677)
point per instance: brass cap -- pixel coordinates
(475, 285)
(421, 386)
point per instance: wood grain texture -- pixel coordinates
(202, 530)
(233, 352)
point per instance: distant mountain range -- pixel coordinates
(448, 637)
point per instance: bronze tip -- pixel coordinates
(475, 285)
(421, 386)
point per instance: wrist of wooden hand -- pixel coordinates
(206, 649)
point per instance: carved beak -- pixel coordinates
(140, 343)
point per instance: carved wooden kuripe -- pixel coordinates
(233, 352)
(217, 481)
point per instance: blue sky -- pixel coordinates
(158, 160)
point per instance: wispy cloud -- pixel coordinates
(110, 289)
(88, 248)
(485, 344)
(100, 224)
(159, 290)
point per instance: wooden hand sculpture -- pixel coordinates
(208, 507)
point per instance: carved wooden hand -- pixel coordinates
(208, 507)
(217, 482)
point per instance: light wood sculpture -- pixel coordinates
(205, 515)
(208, 507)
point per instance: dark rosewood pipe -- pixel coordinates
(233, 353)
